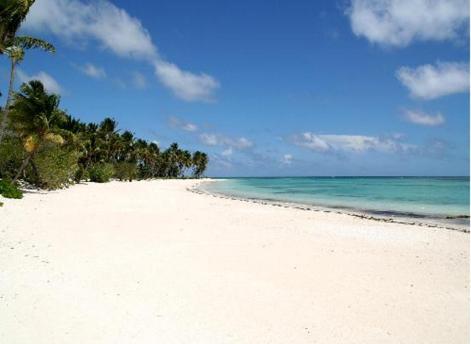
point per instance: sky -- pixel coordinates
(268, 88)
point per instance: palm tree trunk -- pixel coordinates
(22, 167)
(3, 124)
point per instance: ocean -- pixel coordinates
(442, 198)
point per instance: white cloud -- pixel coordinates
(428, 81)
(421, 118)
(178, 123)
(139, 80)
(398, 136)
(186, 85)
(287, 159)
(93, 71)
(50, 84)
(311, 141)
(399, 22)
(189, 127)
(240, 143)
(118, 32)
(227, 152)
(209, 139)
(111, 26)
(350, 143)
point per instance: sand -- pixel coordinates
(150, 262)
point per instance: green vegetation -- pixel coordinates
(12, 14)
(55, 166)
(9, 190)
(43, 145)
(49, 149)
(125, 171)
(101, 172)
(11, 156)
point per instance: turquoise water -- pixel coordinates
(438, 197)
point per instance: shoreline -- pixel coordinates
(125, 262)
(362, 214)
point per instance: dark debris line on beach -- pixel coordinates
(196, 190)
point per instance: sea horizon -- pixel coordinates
(342, 176)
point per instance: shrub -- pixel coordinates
(11, 156)
(101, 172)
(54, 166)
(9, 190)
(81, 174)
(125, 171)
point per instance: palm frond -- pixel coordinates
(12, 14)
(27, 42)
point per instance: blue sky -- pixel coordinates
(268, 88)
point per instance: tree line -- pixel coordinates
(42, 144)
(49, 148)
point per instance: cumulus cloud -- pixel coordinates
(209, 139)
(102, 21)
(92, 71)
(118, 32)
(50, 84)
(178, 123)
(287, 159)
(240, 143)
(400, 22)
(433, 81)
(189, 127)
(187, 86)
(350, 143)
(421, 118)
(227, 152)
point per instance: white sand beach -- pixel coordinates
(150, 262)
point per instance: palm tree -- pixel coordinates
(200, 161)
(88, 138)
(125, 149)
(171, 161)
(184, 161)
(12, 14)
(151, 160)
(108, 139)
(143, 157)
(16, 52)
(36, 118)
